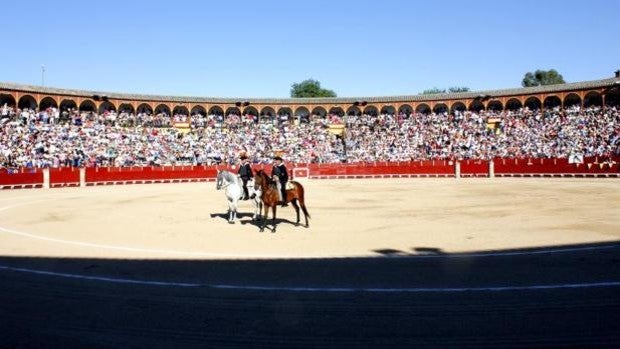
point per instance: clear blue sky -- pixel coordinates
(259, 48)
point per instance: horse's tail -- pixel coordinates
(302, 199)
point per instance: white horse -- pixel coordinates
(234, 193)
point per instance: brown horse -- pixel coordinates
(270, 197)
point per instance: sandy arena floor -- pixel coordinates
(349, 218)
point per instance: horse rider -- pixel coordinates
(245, 172)
(280, 171)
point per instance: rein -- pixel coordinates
(267, 184)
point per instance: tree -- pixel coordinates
(542, 77)
(454, 89)
(457, 89)
(309, 89)
(433, 91)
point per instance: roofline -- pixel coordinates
(594, 84)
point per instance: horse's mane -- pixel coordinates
(228, 176)
(263, 174)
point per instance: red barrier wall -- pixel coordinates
(64, 176)
(24, 178)
(165, 174)
(474, 168)
(592, 167)
(431, 168)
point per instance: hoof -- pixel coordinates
(261, 230)
(231, 222)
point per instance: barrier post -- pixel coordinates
(82, 177)
(491, 169)
(457, 169)
(46, 178)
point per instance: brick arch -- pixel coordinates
(572, 99)
(163, 108)
(144, 108)
(593, 98)
(371, 110)
(126, 107)
(285, 111)
(405, 109)
(180, 109)
(268, 112)
(336, 111)
(612, 96)
(198, 109)
(353, 110)
(233, 111)
(215, 110)
(440, 108)
(27, 102)
(552, 101)
(302, 111)
(250, 111)
(320, 111)
(457, 106)
(88, 105)
(423, 108)
(48, 102)
(533, 103)
(495, 105)
(67, 104)
(476, 105)
(514, 104)
(388, 109)
(106, 106)
(7, 99)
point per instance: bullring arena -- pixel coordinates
(514, 251)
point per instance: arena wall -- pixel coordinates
(92, 176)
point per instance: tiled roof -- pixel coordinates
(336, 100)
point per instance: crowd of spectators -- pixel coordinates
(51, 138)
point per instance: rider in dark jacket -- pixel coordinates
(280, 171)
(245, 172)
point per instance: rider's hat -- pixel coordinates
(243, 157)
(277, 158)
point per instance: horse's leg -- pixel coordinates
(231, 212)
(294, 202)
(264, 222)
(306, 215)
(273, 210)
(303, 208)
(257, 208)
